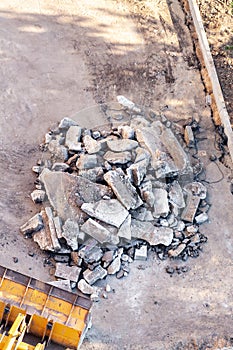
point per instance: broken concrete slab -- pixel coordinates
(87, 161)
(38, 196)
(63, 284)
(94, 175)
(110, 211)
(123, 189)
(189, 137)
(58, 151)
(43, 240)
(65, 191)
(141, 253)
(58, 226)
(91, 145)
(176, 196)
(97, 231)
(192, 203)
(85, 287)
(174, 253)
(143, 230)
(122, 145)
(65, 123)
(124, 231)
(70, 231)
(147, 194)
(52, 230)
(118, 158)
(32, 225)
(93, 276)
(67, 272)
(137, 171)
(93, 255)
(115, 266)
(161, 206)
(163, 235)
(168, 157)
(73, 136)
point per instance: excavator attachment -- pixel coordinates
(48, 312)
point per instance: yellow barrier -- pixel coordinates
(52, 313)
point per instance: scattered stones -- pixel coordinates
(111, 196)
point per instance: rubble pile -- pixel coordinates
(109, 197)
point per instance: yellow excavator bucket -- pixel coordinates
(50, 313)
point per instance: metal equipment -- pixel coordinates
(28, 305)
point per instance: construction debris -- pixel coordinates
(111, 196)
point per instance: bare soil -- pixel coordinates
(62, 59)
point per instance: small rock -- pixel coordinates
(92, 276)
(87, 161)
(60, 167)
(177, 251)
(121, 145)
(91, 145)
(115, 266)
(189, 137)
(120, 274)
(73, 137)
(86, 288)
(32, 225)
(15, 259)
(108, 288)
(117, 158)
(38, 196)
(141, 253)
(65, 123)
(170, 270)
(201, 218)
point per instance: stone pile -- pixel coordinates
(108, 197)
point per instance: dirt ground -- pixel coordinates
(62, 58)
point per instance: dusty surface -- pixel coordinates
(64, 57)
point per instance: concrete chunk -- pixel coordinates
(93, 276)
(163, 235)
(71, 233)
(97, 231)
(59, 151)
(87, 161)
(91, 145)
(94, 175)
(125, 229)
(177, 251)
(43, 240)
(161, 207)
(147, 194)
(38, 196)
(196, 189)
(189, 137)
(126, 131)
(137, 171)
(123, 189)
(176, 195)
(115, 266)
(117, 158)
(58, 226)
(121, 145)
(168, 156)
(201, 218)
(52, 230)
(73, 137)
(63, 284)
(192, 203)
(60, 167)
(32, 225)
(141, 253)
(85, 287)
(110, 211)
(66, 272)
(65, 123)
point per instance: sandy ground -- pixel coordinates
(61, 59)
